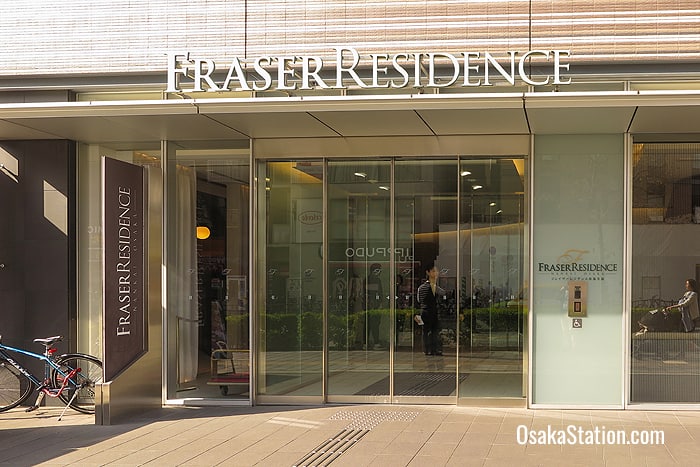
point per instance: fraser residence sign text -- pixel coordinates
(371, 71)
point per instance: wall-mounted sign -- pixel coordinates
(309, 220)
(124, 321)
(187, 73)
(572, 264)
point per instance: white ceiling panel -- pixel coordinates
(130, 128)
(275, 124)
(375, 123)
(85, 129)
(234, 119)
(476, 121)
(9, 130)
(579, 120)
(662, 119)
(179, 127)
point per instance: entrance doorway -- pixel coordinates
(386, 223)
(208, 272)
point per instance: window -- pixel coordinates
(665, 253)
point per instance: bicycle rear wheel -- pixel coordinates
(15, 388)
(84, 381)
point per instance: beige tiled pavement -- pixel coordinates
(408, 435)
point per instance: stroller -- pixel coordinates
(659, 321)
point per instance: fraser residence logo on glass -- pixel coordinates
(572, 265)
(187, 73)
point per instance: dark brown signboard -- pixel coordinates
(124, 320)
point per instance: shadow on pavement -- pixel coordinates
(38, 437)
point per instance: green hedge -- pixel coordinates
(498, 319)
(304, 331)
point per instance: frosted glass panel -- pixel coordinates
(578, 237)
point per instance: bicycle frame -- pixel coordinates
(45, 385)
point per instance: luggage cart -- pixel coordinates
(229, 367)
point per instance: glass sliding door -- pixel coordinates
(492, 297)
(425, 264)
(358, 275)
(412, 293)
(289, 312)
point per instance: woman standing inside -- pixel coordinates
(688, 305)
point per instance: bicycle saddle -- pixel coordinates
(49, 340)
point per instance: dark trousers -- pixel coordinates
(431, 332)
(688, 324)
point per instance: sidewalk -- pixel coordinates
(373, 435)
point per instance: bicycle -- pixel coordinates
(69, 377)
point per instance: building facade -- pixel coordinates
(306, 163)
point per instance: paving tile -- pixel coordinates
(662, 419)
(360, 460)
(308, 440)
(465, 461)
(478, 438)
(543, 450)
(515, 421)
(395, 460)
(403, 448)
(467, 450)
(460, 417)
(83, 456)
(143, 456)
(452, 427)
(452, 437)
(506, 438)
(280, 458)
(484, 428)
(215, 455)
(688, 418)
(578, 451)
(184, 453)
(431, 449)
(246, 457)
(106, 457)
(385, 436)
(502, 463)
(509, 451)
(280, 436)
(428, 461)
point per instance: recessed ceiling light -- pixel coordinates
(464, 173)
(384, 188)
(492, 204)
(360, 174)
(476, 187)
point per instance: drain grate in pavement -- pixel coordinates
(330, 450)
(368, 419)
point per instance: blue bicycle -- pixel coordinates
(69, 377)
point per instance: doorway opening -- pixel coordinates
(348, 243)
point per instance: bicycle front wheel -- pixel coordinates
(15, 388)
(83, 382)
